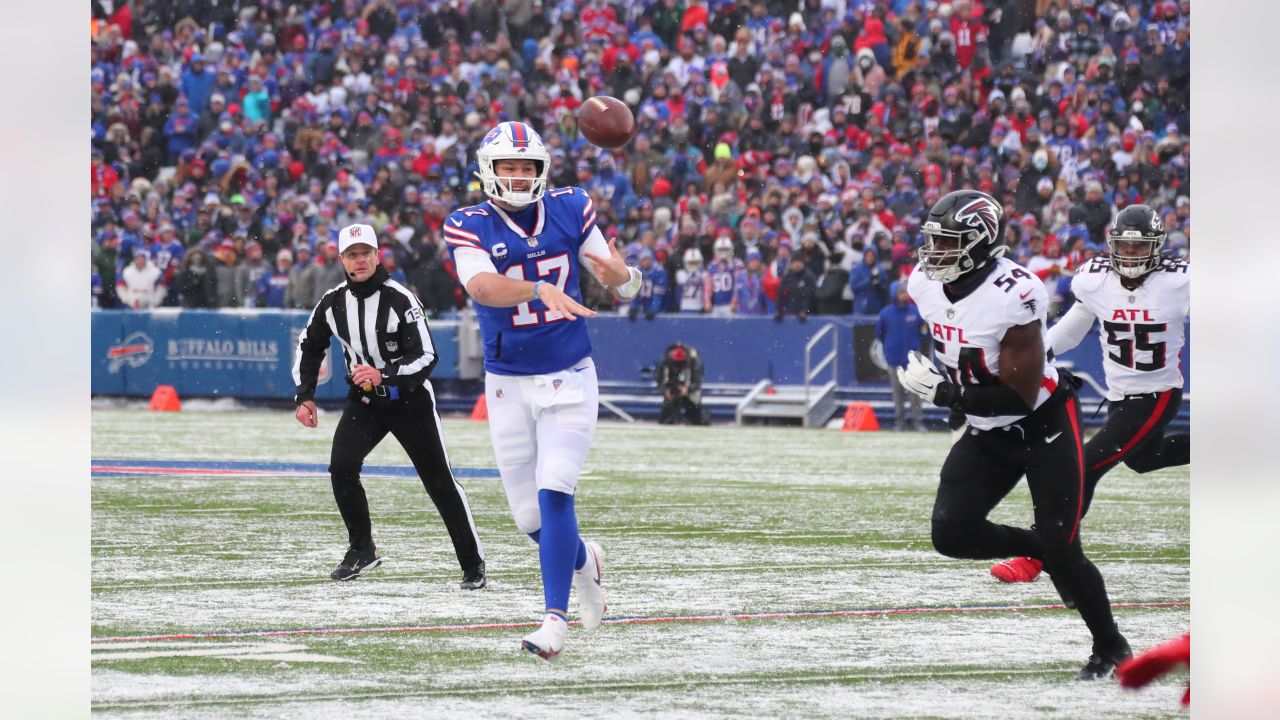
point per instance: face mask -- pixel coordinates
(1041, 164)
(865, 64)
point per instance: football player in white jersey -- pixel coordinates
(987, 318)
(1142, 299)
(518, 256)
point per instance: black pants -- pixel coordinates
(413, 422)
(683, 408)
(1134, 434)
(980, 471)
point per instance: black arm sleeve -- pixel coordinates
(313, 342)
(981, 400)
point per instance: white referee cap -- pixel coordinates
(358, 234)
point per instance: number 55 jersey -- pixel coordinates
(1143, 329)
(967, 333)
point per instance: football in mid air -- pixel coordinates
(606, 122)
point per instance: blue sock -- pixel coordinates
(558, 545)
(582, 550)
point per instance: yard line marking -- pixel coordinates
(633, 620)
(594, 686)
(232, 651)
(254, 468)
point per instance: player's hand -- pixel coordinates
(920, 376)
(557, 301)
(366, 376)
(612, 270)
(306, 414)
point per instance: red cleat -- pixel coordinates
(1017, 570)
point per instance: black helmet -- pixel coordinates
(1134, 227)
(962, 234)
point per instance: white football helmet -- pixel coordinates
(723, 247)
(512, 141)
(692, 259)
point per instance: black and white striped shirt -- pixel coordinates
(379, 322)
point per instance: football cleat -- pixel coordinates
(354, 563)
(474, 579)
(591, 606)
(1102, 663)
(1017, 570)
(547, 641)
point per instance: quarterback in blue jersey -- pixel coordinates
(518, 255)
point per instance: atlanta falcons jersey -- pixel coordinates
(967, 333)
(528, 339)
(1143, 330)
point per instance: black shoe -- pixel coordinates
(474, 579)
(1102, 663)
(354, 563)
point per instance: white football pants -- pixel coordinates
(542, 426)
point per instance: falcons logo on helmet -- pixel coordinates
(982, 215)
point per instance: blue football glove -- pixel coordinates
(921, 377)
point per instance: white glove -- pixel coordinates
(920, 376)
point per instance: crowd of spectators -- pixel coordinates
(232, 141)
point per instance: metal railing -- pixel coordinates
(811, 371)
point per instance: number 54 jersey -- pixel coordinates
(1143, 329)
(967, 333)
(528, 339)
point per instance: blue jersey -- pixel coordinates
(722, 282)
(528, 339)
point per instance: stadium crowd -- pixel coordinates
(786, 151)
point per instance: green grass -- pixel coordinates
(715, 521)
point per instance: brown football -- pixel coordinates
(606, 122)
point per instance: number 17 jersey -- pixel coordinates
(527, 339)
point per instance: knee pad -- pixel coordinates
(559, 474)
(528, 518)
(952, 539)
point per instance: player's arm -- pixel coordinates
(486, 286)
(1071, 329)
(1022, 361)
(605, 262)
(417, 353)
(313, 343)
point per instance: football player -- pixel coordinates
(517, 255)
(987, 318)
(1142, 299)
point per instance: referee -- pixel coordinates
(389, 354)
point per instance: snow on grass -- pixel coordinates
(695, 521)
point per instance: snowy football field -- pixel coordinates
(752, 572)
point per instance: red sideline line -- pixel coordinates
(624, 621)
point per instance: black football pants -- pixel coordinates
(412, 420)
(984, 466)
(1134, 434)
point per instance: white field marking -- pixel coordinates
(232, 651)
(595, 687)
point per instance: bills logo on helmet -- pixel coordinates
(493, 135)
(982, 215)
